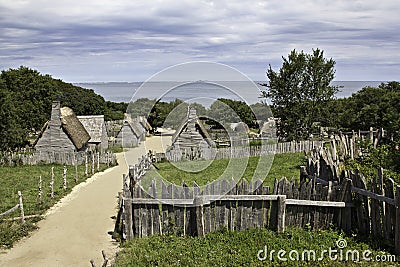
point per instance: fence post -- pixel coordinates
(76, 171)
(98, 161)
(86, 165)
(397, 226)
(52, 183)
(21, 206)
(198, 203)
(40, 200)
(108, 159)
(281, 214)
(92, 163)
(65, 178)
(128, 210)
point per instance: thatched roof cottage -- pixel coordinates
(63, 133)
(96, 127)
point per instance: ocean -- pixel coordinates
(203, 92)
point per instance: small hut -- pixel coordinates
(131, 133)
(96, 127)
(191, 135)
(64, 133)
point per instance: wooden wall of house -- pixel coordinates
(54, 139)
(126, 137)
(104, 138)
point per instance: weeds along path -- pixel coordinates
(76, 229)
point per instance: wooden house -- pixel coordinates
(95, 126)
(131, 133)
(191, 135)
(64, 133)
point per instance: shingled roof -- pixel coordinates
(94, 125)
(192, 118)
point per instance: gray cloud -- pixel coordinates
(131, 40)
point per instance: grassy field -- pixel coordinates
(227, 248)
(287, 165)
(26, 180)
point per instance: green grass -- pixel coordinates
(227, 248)
(284, 165)
(116, 149)
(26, 180)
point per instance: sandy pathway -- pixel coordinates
(77, 229)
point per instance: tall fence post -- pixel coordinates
(86, 165)
(397, 226)
(40, 200)
(65, 178)
(98, 161)
(21, 206)
(198, 203)
(281, 214)
(76, 170)
(92, 163)
(52, 183)
(128, 210)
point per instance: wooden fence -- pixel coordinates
(376, 210)
(323, 197)
(19, 206)
(67, 158)
(197, 211)
(241, 151)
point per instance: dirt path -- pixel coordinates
(76, 230)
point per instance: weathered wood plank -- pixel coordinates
(390, 211)
(397, 225)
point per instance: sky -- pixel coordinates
(103, 40)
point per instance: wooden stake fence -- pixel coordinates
(20, 205)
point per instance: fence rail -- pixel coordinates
(225, 204)
(20, 205)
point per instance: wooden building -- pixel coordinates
(64, 133)
(191, 135)
(95, 126)
(131, 133)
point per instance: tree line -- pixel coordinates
(220, 114)
(26, 97)
(302, 97)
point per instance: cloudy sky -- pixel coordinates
(103, 40)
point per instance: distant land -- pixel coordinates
(124, 91)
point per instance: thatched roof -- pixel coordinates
(133, 124)
(145, 123)
(74, 128)
(192, 118)
(94, 125)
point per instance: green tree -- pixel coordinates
(227, 111)
(11, 134)
(261, 111)
(300, 91)
(371, 107)
(26, 97)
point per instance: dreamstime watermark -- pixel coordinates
(337, 253)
